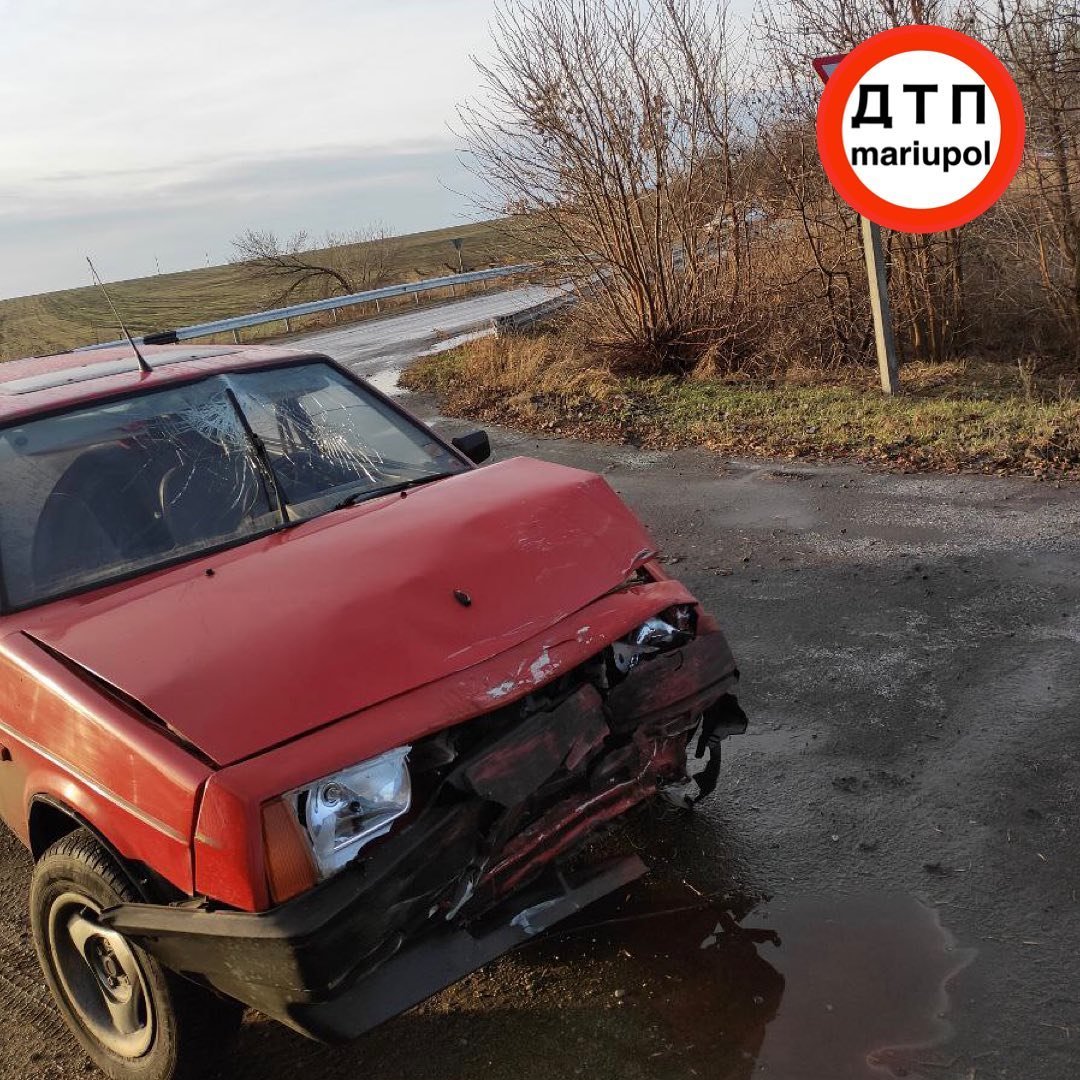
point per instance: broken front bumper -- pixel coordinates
(249, 962)
(477, 873)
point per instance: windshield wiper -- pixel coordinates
(363, 494)
(262, 458)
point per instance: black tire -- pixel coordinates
(136, 1019)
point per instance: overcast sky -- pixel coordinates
(135, 129)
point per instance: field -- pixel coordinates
(57, 321)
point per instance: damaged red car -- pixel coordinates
(302, 710)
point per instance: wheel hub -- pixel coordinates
(107, 968)
(101, 977)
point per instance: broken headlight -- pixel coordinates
(343, 812)
(670, 628)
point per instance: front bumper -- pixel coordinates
(340, 1009)
(476, 874)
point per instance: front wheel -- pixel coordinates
(137, 1020)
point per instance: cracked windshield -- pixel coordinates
(142, 481)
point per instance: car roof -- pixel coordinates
(45, 383)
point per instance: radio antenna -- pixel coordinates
(143, 365)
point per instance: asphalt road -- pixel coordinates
(379, 348)
(896, 835)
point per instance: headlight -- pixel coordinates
(670, 628)
(343, 812)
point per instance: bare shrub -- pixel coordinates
(811, 284)
(1038, 224)
(926, 272)
(610, 129)
(673, 173)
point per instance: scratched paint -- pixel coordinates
(540, 667)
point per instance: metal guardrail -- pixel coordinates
(224, 326)
(530, 316)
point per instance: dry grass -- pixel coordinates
(973, 416)
(54, 322)
(521, 370)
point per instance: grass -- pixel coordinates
(973, 416)
(57, 321)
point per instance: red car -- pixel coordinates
(300, 709)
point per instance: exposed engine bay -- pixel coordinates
(632, 722)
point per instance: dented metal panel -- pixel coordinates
(507, 794)
(354, 608)
(229, 866)
(676, 684)
(519, 762)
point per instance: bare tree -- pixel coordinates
(1040, 221)
(808, 262)
(610, 129)
(673, 174)
(926, 272)
(295, 269)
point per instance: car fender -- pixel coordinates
(70, 744)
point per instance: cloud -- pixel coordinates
(183, 123)
(184, 214)
(89, 194)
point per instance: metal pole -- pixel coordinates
(888, 365)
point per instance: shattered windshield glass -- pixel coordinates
(326, 439)
(121, 487)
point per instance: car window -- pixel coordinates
(120, 487)
(104, 491)
(325, 436)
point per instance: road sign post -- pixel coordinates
(873, 249)
(879, 306)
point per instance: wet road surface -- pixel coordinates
(382, 345)
(885, 884)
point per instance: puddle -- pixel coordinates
(789, 474)
(820, 989)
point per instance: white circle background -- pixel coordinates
(922, 187)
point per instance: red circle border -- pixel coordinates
(842, 84)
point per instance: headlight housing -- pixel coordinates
(675, 626)
(343, 812)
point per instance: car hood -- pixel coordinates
(255, 646)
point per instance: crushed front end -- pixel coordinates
(482, 861)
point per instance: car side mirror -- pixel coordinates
(476, 446)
